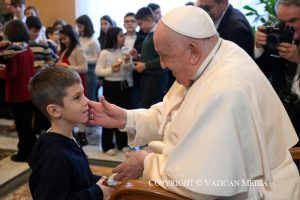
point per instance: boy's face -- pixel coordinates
(130, 24)
(75, 109)
(34, 33)
(145, 25)
(30, 12)
(18, 10)
(54, 36)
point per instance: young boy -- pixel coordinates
(60, 169)
(52, 35)
(42, 52)
(42, 59)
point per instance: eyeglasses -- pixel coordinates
(130, 21)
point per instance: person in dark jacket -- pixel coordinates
(230, 23)
(283, 68)
(60, 169)
(154, 79)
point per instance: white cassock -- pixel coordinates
(228, 128)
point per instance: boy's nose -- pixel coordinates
(86, 100)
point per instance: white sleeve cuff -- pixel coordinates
(258, 51)
(130, 122)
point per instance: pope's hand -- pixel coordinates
(106, 114)
(132, 167)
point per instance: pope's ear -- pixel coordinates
(195, 53)
(53, 110)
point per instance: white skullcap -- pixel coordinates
(190, 21)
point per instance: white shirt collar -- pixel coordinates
(217, 22)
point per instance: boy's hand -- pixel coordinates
(139, 66)
(105, 189)
(4, 44)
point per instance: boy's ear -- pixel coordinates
(53, 110)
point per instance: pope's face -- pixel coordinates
(291, 16)
(173, 55)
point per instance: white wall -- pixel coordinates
(118, 8)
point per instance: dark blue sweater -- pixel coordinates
(60, 170)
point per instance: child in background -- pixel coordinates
(71, 54)
(42, 59)
(91, 49)
(41, 50)
(116, 68)
(17, 72)
(60, 169)
(105, 22)
(32, 11)
(52, 35)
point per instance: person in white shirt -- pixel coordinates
(91, 48)
(116, 68)
(220, 131)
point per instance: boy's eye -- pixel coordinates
(77, 97)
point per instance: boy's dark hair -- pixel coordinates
(16, 31)
(17, 2)
(153, 6)
(34, 22)
(69, 32)
(88, 29)
(50, 30)
(112, 37)
(49, 85)
(144, 13)
(130, 14)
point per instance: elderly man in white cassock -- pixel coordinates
(221, 130)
